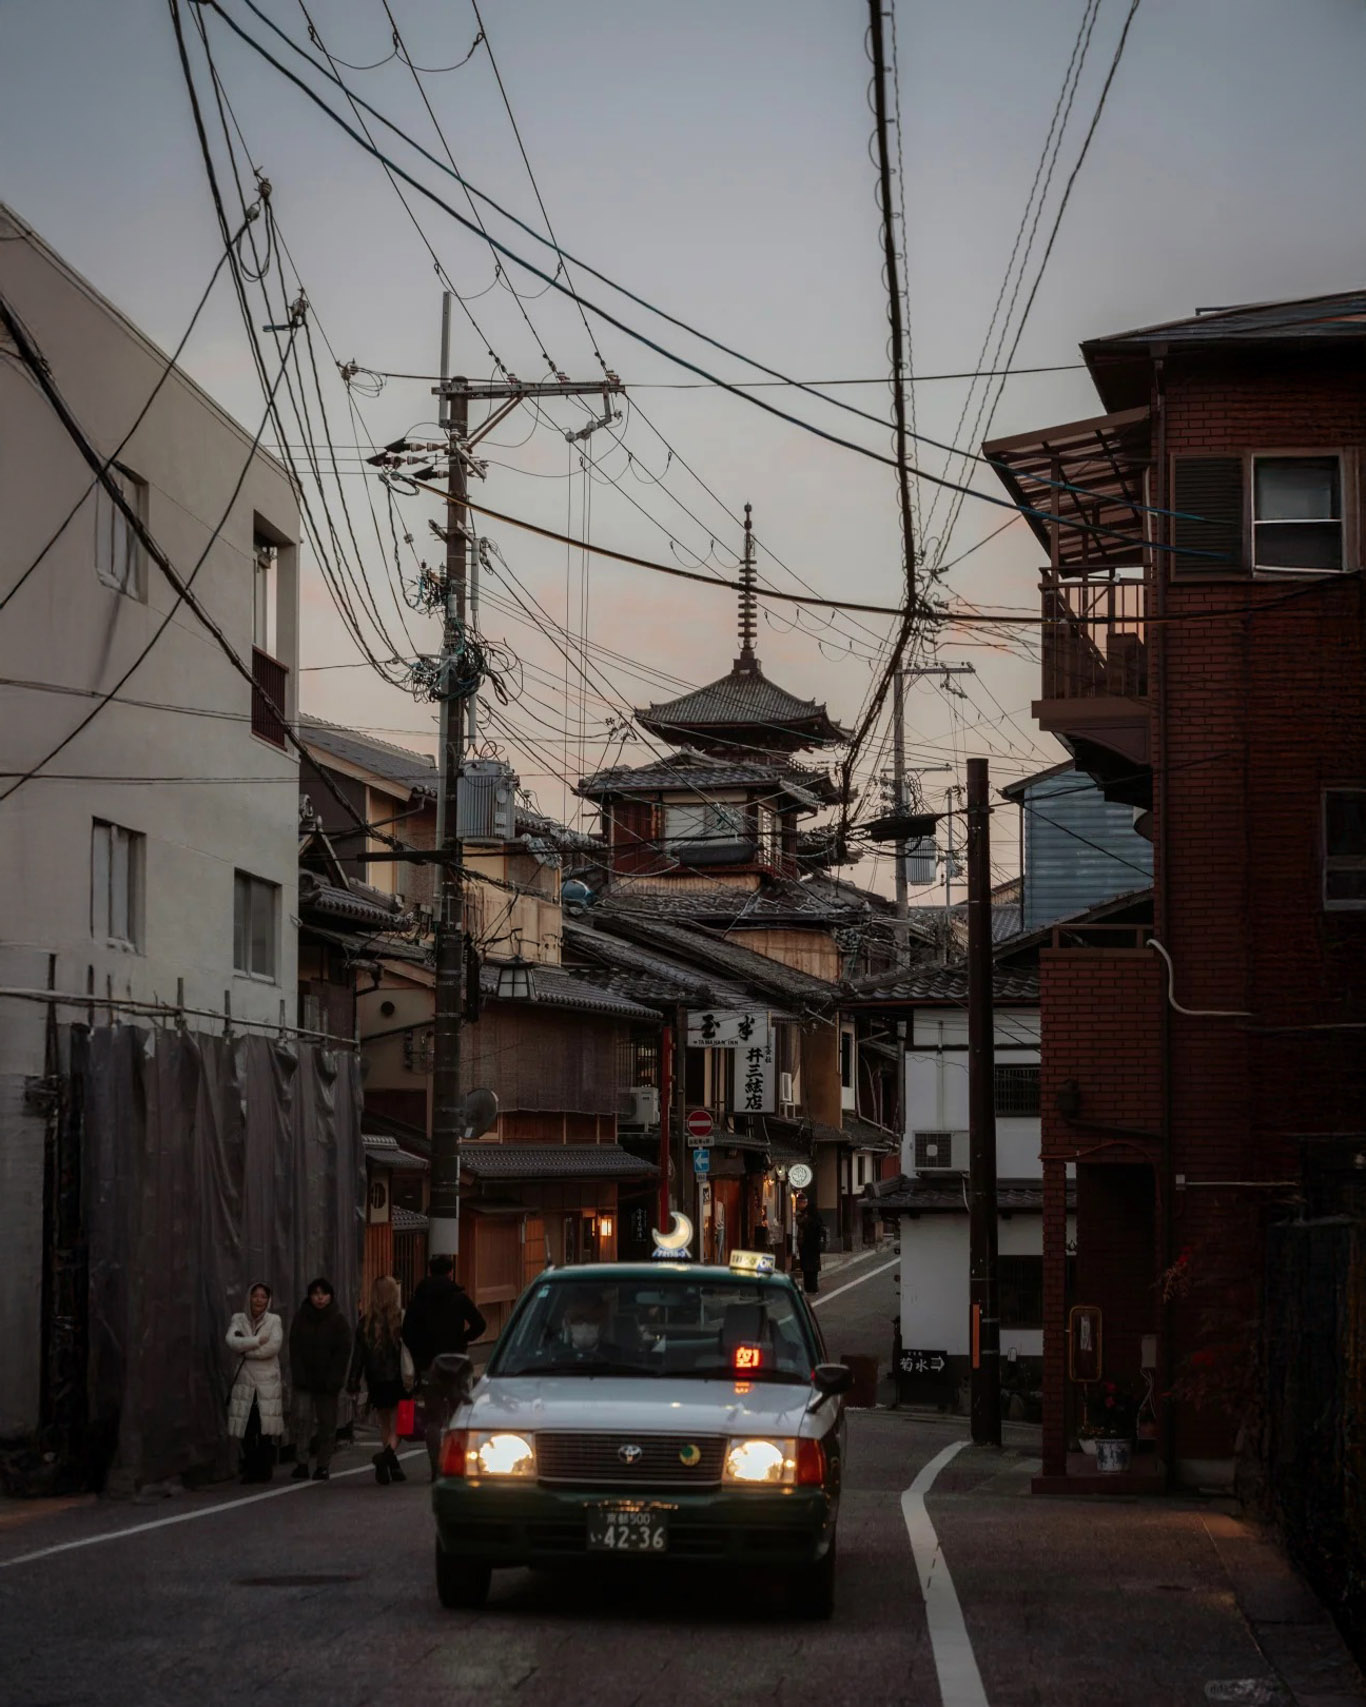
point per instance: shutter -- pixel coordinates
(1211, 488)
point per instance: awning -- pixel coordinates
(384, 1152)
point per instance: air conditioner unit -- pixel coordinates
(487, 801)
(640, 1106)
(941, 1152)
(785, 1088)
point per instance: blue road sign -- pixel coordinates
(701, 1161)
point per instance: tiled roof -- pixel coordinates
(695, 772)
(745, 697)
(727, 904)
(360, 905)
(556, 988)
(938, 1195)
(944, 984)
(703, 947)
(553, 1161)
(635, 972)
(864, 1135)
(396, 764)
(385, 1153)
(407, 1220)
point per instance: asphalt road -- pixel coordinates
(323, 1594)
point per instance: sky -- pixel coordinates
(715, 159)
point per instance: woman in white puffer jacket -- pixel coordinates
(256, 1411)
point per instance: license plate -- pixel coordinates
(627, 1529)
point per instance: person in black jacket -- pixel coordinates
(319, 1353)
(442, 1317)
(810, 1239)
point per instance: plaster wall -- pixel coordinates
(218, 799)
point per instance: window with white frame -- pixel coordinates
(255, 925)
(118, 552)
(1344, 848)
(702, 821)
(116, 885)
(1297, 513)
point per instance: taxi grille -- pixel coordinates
(630, 1460)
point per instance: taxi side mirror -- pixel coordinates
(832, 1378)
(452, 1374)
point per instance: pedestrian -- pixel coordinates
(810, 1239)
(380, 1356)
(256, 1412)
(319, 1357)
(442, 1317)
(762, 1237)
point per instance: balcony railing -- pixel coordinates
(1095, 642)
(270, 679)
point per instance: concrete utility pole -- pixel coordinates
(984, 1294)
(459, 722)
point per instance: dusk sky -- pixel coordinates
(714, 158)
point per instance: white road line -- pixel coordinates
(960, 1682)
(190, 1516)
(849, 1285)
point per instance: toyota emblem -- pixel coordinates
(630, 1454)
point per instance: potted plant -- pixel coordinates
(1110, 1422)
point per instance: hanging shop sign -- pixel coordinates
(750, 1034)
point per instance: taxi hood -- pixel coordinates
(644, 1405)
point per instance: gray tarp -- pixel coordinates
(208, 1163)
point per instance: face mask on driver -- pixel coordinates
(584, 1336)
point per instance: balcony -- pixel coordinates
(270, 681)
(1095, 637)
(1095, 678)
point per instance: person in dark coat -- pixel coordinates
(319, 1356)
(442, 1317)
(379, 1358)
(810, 1238)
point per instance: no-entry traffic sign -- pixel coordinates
(699, 1124)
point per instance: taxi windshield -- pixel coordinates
(680, 1326)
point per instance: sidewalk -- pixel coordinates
(1101, 1588)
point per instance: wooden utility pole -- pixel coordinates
(983, 1289)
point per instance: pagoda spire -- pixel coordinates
(749, 610)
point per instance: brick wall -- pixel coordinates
(1265, 706)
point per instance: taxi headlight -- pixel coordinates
(771, 1463)
(501, 1454)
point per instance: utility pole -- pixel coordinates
(444, 1224)
(983, 1294)
(459, 723)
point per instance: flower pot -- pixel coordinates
(1112, 1457)
(1087, 1442)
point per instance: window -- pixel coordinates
(116, 867)
(266, 560)
(1021, 1291)
(1296, 513)
(1016, 1089)
(846, 1060)
(255, 906)
(118, 554)
(695, 825)
(1344, 847)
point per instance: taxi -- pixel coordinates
(660, 1411)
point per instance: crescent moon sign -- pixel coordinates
(678, 1238)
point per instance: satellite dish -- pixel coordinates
(675, 1242)
(478, 1111)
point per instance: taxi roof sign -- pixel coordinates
(751, 1262)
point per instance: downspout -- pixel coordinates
(1157, 571)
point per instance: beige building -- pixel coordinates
(150, 865)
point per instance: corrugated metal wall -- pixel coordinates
(1079, 849)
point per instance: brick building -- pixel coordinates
(1204, 659)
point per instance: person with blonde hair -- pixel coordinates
(382, 1359)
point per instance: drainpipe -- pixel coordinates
(1162, 533)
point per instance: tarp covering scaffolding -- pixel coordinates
(206, 1163)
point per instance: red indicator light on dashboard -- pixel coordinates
(747, 1357)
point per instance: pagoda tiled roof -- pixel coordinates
(744, 699)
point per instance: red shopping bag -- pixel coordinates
(406, 1421)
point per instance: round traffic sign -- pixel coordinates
(699, 1123)
(800, 1175)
